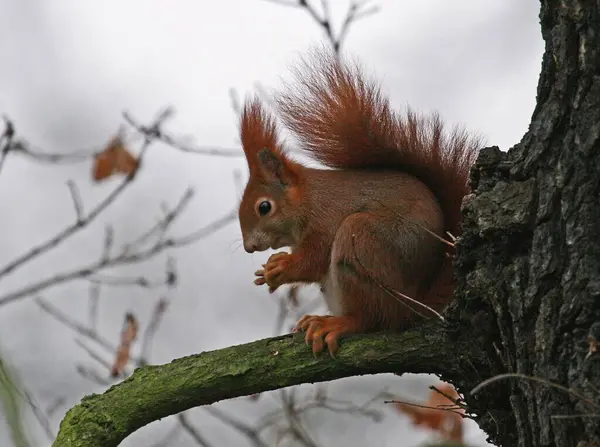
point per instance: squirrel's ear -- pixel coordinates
(276, 167)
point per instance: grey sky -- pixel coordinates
(69, 68)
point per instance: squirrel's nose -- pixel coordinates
(249, 247)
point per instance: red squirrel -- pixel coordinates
(369, 224)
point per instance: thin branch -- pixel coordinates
(540, 380)
(191, 430)
(157, 315)
(168, 439)
(161, 227)
(155, 392)
(357, 10)
(94, 301)
(319, 401)
(55, 405)
(174, 143)
(575, 416)
(234, 100)
(418, 225)
(25, 148)
(205, 231)
(457, 401)
(76, 326)
(80, 223)
(6, 140)
(109, 238)
(137, 281)
(94, 355)
(122, 259)
(353, 15)
(295, 427)
(293, 3)
(38, 413)
(399, 296)
(77, 202)
(450, 408)
(249, 432)
(92, 376)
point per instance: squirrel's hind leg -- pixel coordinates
(373, 256)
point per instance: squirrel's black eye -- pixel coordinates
(264, 207)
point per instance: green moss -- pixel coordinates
(155, 391)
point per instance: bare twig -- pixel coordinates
(457, 401)
(295, 428)
(319, 401)
(74, 325)
(25, 148)
(575, 416)
(121, 259)
(6, 140)
(168, 439)
(399, 296)
(158, 313)
(39, 414)
(91, 375)
(450, 408)
(428, 231)
(540, 380)
(55, 405)
(249, 432)
(94, 355)
(137, 281)
(81, 222)
(356, 11)
(191, 430)
(174, 143)
(235, 102)
(161, 227)
(77, 202)
(205, 231)
(109, 238)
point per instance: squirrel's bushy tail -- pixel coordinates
(341, 118)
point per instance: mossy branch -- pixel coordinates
(155, 392)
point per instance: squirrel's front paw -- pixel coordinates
(274, 272)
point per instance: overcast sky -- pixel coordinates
(70, 67)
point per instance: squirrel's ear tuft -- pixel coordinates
(257, 130)
(275, 167)
(265, 155)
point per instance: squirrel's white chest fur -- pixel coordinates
(332, 294)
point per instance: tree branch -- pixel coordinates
(155, 392)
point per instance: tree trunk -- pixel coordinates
(528, 288)
(529, 260)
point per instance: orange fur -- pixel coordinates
(342, 120)
(258, 130)
(363, 226)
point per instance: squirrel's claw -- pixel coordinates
(326, 329)
(261, 277)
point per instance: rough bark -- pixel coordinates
(529, 260)
(528, 287)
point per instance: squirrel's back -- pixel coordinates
(341, 118)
